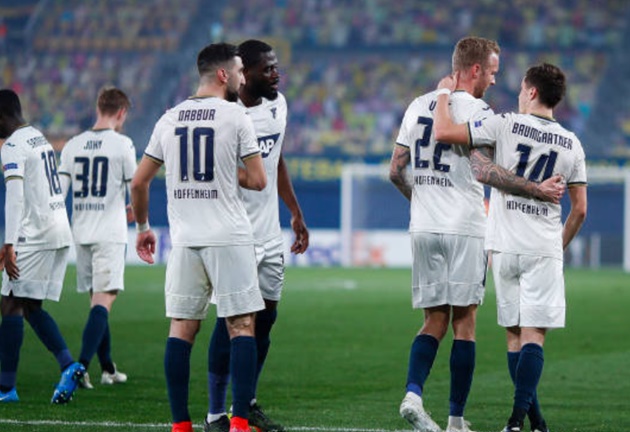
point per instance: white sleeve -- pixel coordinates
(129, 162)
(248, 144)
(154, 149)
(65, 181)
(403, 133)
(14, 206)
(485, 132)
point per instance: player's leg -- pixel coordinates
(42, 274)
(187, 291)
(513, 355)
(179, 345)
(218, 378)
(232, 270)
(11, 337)
(270, 259)
(528, 373)
(462, 364)
(467, 263)
(429, 287)
(100, 271)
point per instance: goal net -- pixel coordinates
(375, 217)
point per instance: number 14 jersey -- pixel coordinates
(535, 148)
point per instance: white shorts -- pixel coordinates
(448, 269)
(270, 259)
(41, 274)
(101, 267)
(530, 290)
(193, 273)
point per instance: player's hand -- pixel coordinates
(300, 244)
(145, 246)
(130, 217)
(448, 82)
(552, 189)
(9, 261)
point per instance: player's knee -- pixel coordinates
(240, 325)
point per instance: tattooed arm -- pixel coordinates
(487, 172)
(398, 170)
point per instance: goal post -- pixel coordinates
(373, 211)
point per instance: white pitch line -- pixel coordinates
(168, 425)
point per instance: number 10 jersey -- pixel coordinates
(200, 142)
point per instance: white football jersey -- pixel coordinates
(28, 156)
(270, 122)
(536, 148)
(446, 197)
(100, 163)
(200, 142)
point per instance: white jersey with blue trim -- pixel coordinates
(200, 142)
(27, 156)
(100, 163)
(536, 148)
(446, 197)
(270, 122)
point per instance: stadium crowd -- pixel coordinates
(343, 99)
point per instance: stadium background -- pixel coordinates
(349, 70)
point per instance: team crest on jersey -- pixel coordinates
(10, 166)
(266, 143)
(273, 111)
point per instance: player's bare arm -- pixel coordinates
(398, 170)
(577, 215)
(286, 192)
(487, 172)
(14, 206)
(443, 127)
(145, 241)
(253, 176)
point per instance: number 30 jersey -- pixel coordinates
(200, 141)
(28, 157)
(99, 162)
(536, 148)
(446, 197)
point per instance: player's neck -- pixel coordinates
(539, 110)
(466, 86)
(248, 99)
(210, 90)
(104, 123)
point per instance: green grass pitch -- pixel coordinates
(338, 359)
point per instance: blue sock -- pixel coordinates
(528, 372)
(104, 352)
(423, 351)
(218, 367)
(177, 370)
(93, 333)
(462, 368)
(47, 331)
(11, 337)
(243, 372)
(534, 413)
(265, 320)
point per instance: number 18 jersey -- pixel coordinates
(28, 157)
(100, 163)
(200, 142)
(536, 148)
(446, 197)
